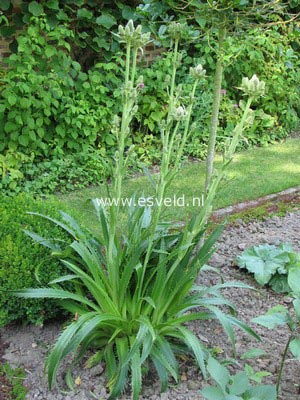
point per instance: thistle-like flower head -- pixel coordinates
(175, 30)
(179, 113)
(132, 36)
(253, 87)
(198, 72)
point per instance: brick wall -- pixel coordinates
(150, 53)
(4, 48)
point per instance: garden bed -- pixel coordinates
(28, 346)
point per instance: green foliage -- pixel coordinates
(271, 264)
(90, 22)
(10, 170)
(152, 103)
(14, 377)
(271, 55)
(134, 315)
(59, 174)
(47, 102)
(234, 387)
(20, 260)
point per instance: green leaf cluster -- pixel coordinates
(126, 323)
(277, 266)
(62, 173)
(47, 101)
(91, 22)
(234, 387)
(21, 262)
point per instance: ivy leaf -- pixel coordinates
(212, 393)
(106, 20)
(240, 384)
(23, 140)
(12, 99)
(35, 9)
(84, 13)
(102, 43)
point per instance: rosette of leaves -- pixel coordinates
(270, 264)
(131, 317)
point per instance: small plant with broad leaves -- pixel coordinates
(134, 285)
(271, 264)
(280, 315)
(234, 387)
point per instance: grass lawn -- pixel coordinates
(252, 174)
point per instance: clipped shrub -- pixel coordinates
(21, 261)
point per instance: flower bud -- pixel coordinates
(253, 87)
(179, 113)
(198, 72)
(115, 125)
(133, 36)
(175, 30)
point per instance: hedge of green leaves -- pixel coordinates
(21, 259)
(48, 105)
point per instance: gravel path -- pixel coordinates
(29, 345)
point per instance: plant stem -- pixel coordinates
(164, 169)
(134, 57)
(113, 267)
(216, 108)
(282, 365)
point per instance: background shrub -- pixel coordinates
(58, 174)
(19, 258)
(48, 105)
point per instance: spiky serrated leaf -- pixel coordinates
(53, 294)
(136, 376)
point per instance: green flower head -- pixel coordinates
(133, 36)
(198, 72)
(253, 87)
